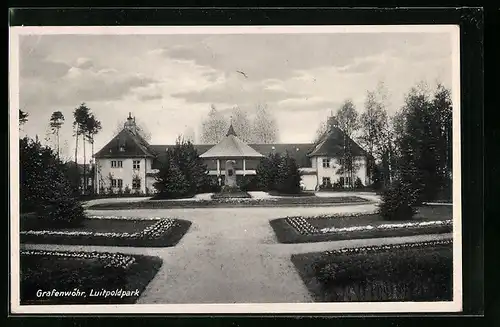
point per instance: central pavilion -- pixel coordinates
(232, 153)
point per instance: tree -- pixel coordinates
(184, 158)
(347, 121)
(214, 127)
(171, 182)
(425, 142)
(267, 171)
(265, 128)
(23, 117)
(242, 124)
(44, 188)
(92, 128)
(81, 116)
(288, 176)
(56, 122)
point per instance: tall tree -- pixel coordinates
(81, 116)
(23, 117)
(242, 124)
(92, 128)
(214, 127)
(425, 142)
(265, 127)
(346, 119)
(56, 122)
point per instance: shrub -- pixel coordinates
(288, 176)
(171, 183)
(127, 190)
(338, 185)
(62, 212)
(358, 184)
(183, 167)
(398, 201)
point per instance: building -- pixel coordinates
(128, 162)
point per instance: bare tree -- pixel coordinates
(347, 121)
(214, 127)
(265, 127)
(242, 124)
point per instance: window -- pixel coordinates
(120, 183)
(113, 182)
(230, 172)
(116, 164)
(348, 180)
(326, 163)
(326, 181)
(136, 183)
(136, 164)
(122, 148)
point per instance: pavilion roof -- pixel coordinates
(231, 147)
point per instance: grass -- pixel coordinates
(47, 273)
(231, 195)
(285, 233)
(169, 238)
(302, 193)
(414, 274)
(305, 201)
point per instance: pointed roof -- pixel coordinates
(332, 144)
(125, 144)
(231, 131)
(231, 147)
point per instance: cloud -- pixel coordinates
(234, 91)
(84, 63)
(150, 97)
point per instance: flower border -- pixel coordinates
(304, 227)
(387, 247)
(153, 231)
(110, 260)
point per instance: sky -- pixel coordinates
(169, 82)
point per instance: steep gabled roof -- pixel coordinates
(332, 145)
(126, 144)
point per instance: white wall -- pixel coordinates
(309, 182)
(125, 173)
(334, 167)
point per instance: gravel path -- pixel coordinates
(230, 255)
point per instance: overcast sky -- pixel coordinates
(169, 81)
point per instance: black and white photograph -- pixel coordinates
(235, 169)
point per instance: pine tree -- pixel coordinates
(267, 170)
(288, 176)
(44, 187)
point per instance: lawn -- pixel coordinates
(161, 232)
(50, 277)
(428, 220)
(303, 201)
(408, 272)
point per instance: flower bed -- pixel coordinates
(116, 260)
(420, 271)
(67, 277)
(321, 228)
(233, 202)
(162, 232)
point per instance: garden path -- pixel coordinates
(230, 255)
